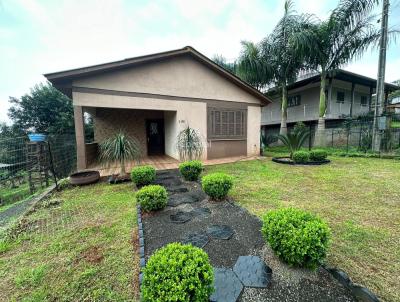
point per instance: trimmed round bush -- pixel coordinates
(143, 175)
(301, 157)
(318, 155)
(152, 198)
(178, 272)
(217, 185)
(191, 170)
(299, 238)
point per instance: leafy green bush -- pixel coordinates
(301, 157)
(217, 185)
(143, 175)
(152, 198)
(298, 238)
(178, 272)
(191, 170)
(318, 155)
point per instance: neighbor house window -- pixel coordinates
(364, 100)
(340, 97)
(226, 123)
(294, 100)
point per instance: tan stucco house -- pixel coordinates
(154, 97)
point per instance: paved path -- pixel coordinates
(20, 208)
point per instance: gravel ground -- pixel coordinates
(288, 284)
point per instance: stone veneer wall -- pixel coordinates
(107, 121)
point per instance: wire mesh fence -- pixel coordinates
(350, 136)
(28, 167)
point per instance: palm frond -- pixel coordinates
(119, 148)
(189, 144)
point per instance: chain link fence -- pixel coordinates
(28, 167)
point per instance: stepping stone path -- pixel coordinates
(181, 217)
(249, 271)
(223, 232)
(199, 239)
(201, 212)
(252, 271)
(227, 286)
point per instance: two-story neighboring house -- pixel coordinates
(348, 95)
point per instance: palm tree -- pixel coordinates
(251, 66)
(119, 149)
(277, 49)
(221, 61)
(328, 45)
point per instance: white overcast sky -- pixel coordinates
(38, 36)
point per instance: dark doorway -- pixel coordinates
(155, 137)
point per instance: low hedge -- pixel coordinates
(143, 175)
(299, 238)
(178, 272)
(152, 198)
(318, 155)
(301, 157)
(191, 170)
(217, 185)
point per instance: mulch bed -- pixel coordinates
(209, 227)
(289, 161)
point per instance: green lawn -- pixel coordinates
(83, 249)
(359, 197)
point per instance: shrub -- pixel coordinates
(152, 198)
(178, 272)
(143, 175)
(191, 170)
(318, 155)
(298, 238)
(217, 185)
(301, 157)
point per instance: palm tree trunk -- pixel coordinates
(283, 129)
(123, 170)
(320, 136)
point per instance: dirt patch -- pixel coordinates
(92, 255)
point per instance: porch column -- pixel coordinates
(80, 138)
(352, 99)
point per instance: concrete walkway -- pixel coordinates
(17, 210)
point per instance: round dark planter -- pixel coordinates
(288, 161)
(84, 178)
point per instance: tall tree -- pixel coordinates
(252, 66)
(43, 109)
(279, 52)
(330, 44)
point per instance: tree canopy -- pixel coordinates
(43, 109)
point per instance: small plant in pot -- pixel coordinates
(119, 149)
(217, 185)
(191, 170)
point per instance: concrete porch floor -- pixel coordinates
(163, 162)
